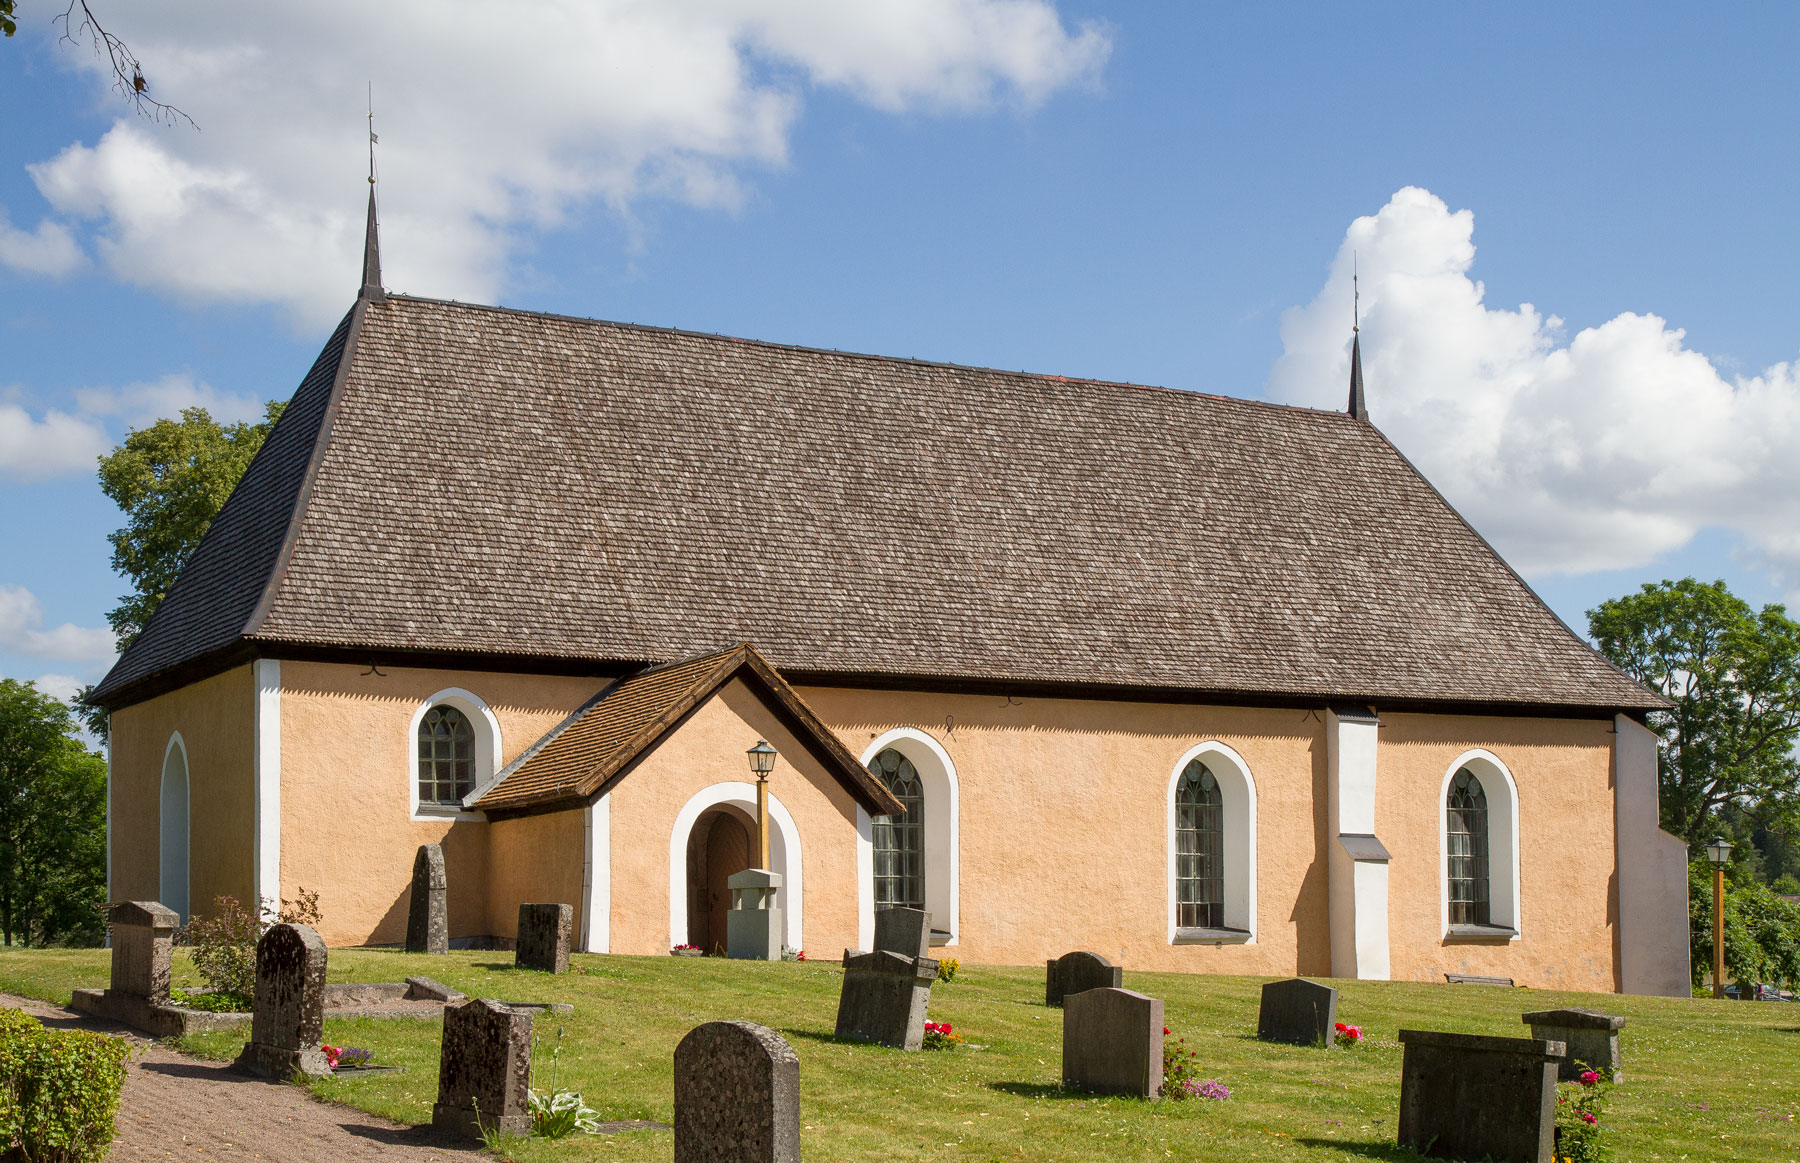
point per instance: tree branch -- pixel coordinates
(128, 72)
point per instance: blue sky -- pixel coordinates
(1165, 194)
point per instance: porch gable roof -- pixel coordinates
(576, 759)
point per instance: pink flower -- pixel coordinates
(1590, 1077)
(332, 1054)
(1588, 1118)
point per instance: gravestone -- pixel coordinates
(1466, 1096)
(1077, 973)
(484, 1064)
(884, 999)
(289, 1013)
(143, 941)
(427, 918)
(1113, 1042)
(903, 931)
(737, 1096)
(544, 932)
(754, 925)
(1298, 1011)
(1592, 1038)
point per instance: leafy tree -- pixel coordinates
(171, 480)
(7, 24)
(1762, 931)
(1733, 674)
(52, 822)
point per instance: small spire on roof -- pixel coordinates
(371, 278)
(1359, 407)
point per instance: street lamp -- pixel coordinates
(1718, 852)
(762, 762)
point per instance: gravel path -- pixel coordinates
(180, 1107)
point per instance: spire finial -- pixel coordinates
(371, 280)
(1359, 407)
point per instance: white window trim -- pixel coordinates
(176, 744)
(943, 835)
(596, 877)
(268, 785)
(1503, 843)
(784, 854)
(1238, 791)
(487, 751)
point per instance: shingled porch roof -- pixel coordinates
(484, 488)
(581, 756)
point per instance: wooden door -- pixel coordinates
(727, 854)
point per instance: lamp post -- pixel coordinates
(1718, 852)
(762, 762)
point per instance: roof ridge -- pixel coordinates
(1334, 414)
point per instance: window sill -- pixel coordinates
(940, 937)
(1476, 934)
(1211, 937)
(426, 812)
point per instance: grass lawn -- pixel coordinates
(1704, 1080)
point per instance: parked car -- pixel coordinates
(1758, 992)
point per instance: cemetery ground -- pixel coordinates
(1704, 1080)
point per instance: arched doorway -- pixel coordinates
(718, 849)
(173, 836)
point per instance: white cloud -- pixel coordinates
(491, 126)
(22, 631)
(58, 444)
(60, 686)
(146, 402)
(48, 250)
(61, 443)
(1600, 452)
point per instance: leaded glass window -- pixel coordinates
(1466, 823)
(446, 756)
(1199, 849)
(900, 840)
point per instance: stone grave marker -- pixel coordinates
(1078, 972)
(1592, 1038)
(1113, 1042)
(884, 999)
(544, 933)
(290, 1005)
(1298, 1011)
(427, 918)
(485, 1063)
(754, 925)
(903, 931)
(143, 941)
(737, 1096)
(1467, 1096)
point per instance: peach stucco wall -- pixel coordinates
(1563, 771)
(534, 860)
(1063, 819)
(347, 762)
(709, 749)
(216, 719)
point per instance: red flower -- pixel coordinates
(1590, 1077)
(1165, 1031)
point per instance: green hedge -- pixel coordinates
(59, 1090)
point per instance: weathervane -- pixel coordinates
(373, 140)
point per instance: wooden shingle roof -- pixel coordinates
(582, 754)
(477, 483)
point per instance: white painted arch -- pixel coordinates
(487, 750)
(173, 829)
(784, 854)
(1237, 791)
(943, 835)
(1503, 838)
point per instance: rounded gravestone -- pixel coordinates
(737, 1096)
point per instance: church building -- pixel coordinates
(1199, 683)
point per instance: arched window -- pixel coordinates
(446, 756)
(1466, 835)
(900, 840)
(1199, 849)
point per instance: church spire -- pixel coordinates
(371, 276)
(1359, 407)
